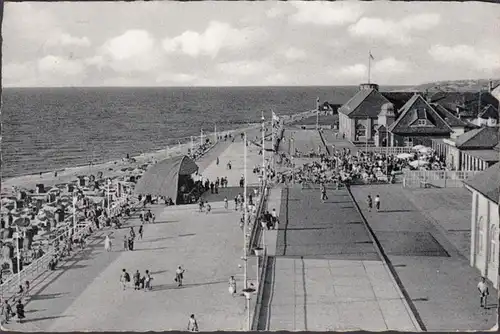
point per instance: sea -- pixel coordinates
(47, 129)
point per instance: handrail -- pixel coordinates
(260, 292)
(255, 227)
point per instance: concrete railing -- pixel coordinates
(260, 292)
(256, 228)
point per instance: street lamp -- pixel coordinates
(75, 199)
(18, 255)
(248, 295)
(109, 183)
(263, 148)
(245, 214)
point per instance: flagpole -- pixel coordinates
(272, 137)
(369, 65)
(245, 218)
(263, 149)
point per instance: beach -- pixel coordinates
(114, 168)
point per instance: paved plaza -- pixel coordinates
(85, 294)
(437, 277)
(327, 274)
(304, 141)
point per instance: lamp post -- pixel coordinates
(18, 256)
(192, 146)
(109, 212)
(263, 148)
(215, 133)
(248, 295)
(245, 218)
(75, 199)
(201, 137)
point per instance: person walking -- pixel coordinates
(153, 218)
(27, 289)
(107, 243)
(137, 280)
(141, 230)
(125, 242)
(232, 286)
(147, 281)
(483, 292)
(6, 312)
(274, 218)
(236, 203)
(192, 324)
(124, 278)
(179, 275)
(226, 204)
(323, 193)
(369, 202)
(209, 208)
(20, 311)
(377, 202)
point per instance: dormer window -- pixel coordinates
(421, 122)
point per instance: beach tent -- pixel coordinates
(162, 179)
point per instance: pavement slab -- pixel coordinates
(85, 294)
(442, 288)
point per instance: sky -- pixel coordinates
(263, 43)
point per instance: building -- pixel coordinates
(474, 150)
(467, 106)
(397, 118)
(487, 117)
(485, 222)
(495, 90)
(358, 117)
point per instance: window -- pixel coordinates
(480, 236)
(493, 244)
(421, 122)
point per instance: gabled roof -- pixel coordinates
(449, 118)
(487, 182)
(366, 103)
(398, 99)
(482, 138)
(467, 102)
(413, 110)
(489, 112)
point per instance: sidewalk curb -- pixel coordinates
(410, 307)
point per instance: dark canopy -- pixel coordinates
(162, 178)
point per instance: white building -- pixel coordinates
(485, 222)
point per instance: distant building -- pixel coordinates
(495, 90)
(404, 118)
(485, 222)
(474, 150)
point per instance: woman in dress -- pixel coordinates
(232, 286)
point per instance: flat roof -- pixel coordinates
(485, 155)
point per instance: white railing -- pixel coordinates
(387, 150)
(436, 178)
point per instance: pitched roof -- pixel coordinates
(449, 118)
(418, 108)
(398, 99)
(366, 103)
(489, 112)
(468, 102)
(485, 137)
(487, 182)
(162, 178)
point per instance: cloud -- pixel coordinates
(326, 13)
(295, 54)
(392, 31)
(391, 66)
(64, 39)
(481, 59)
(54, 65)
(216, 37)
(244, 68)
(176, 78)
(353, 71)
(275, 11)
(133, 51)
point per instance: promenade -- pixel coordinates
(327, 274)
(85, 294)
(412, 227)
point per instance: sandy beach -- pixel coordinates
(114, 168)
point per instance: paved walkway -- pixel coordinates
(338, 142)
(327, 274)
(437, 278)
(271, 236)
(86, 295)
(303, 140)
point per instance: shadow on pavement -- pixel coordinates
(163, 222)
(44, 318)
(48, 296)
(403, 210)
(188, 285)
(33, 311)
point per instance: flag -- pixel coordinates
(275, 117)
(371, 56)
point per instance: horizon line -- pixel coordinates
(237, 86)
